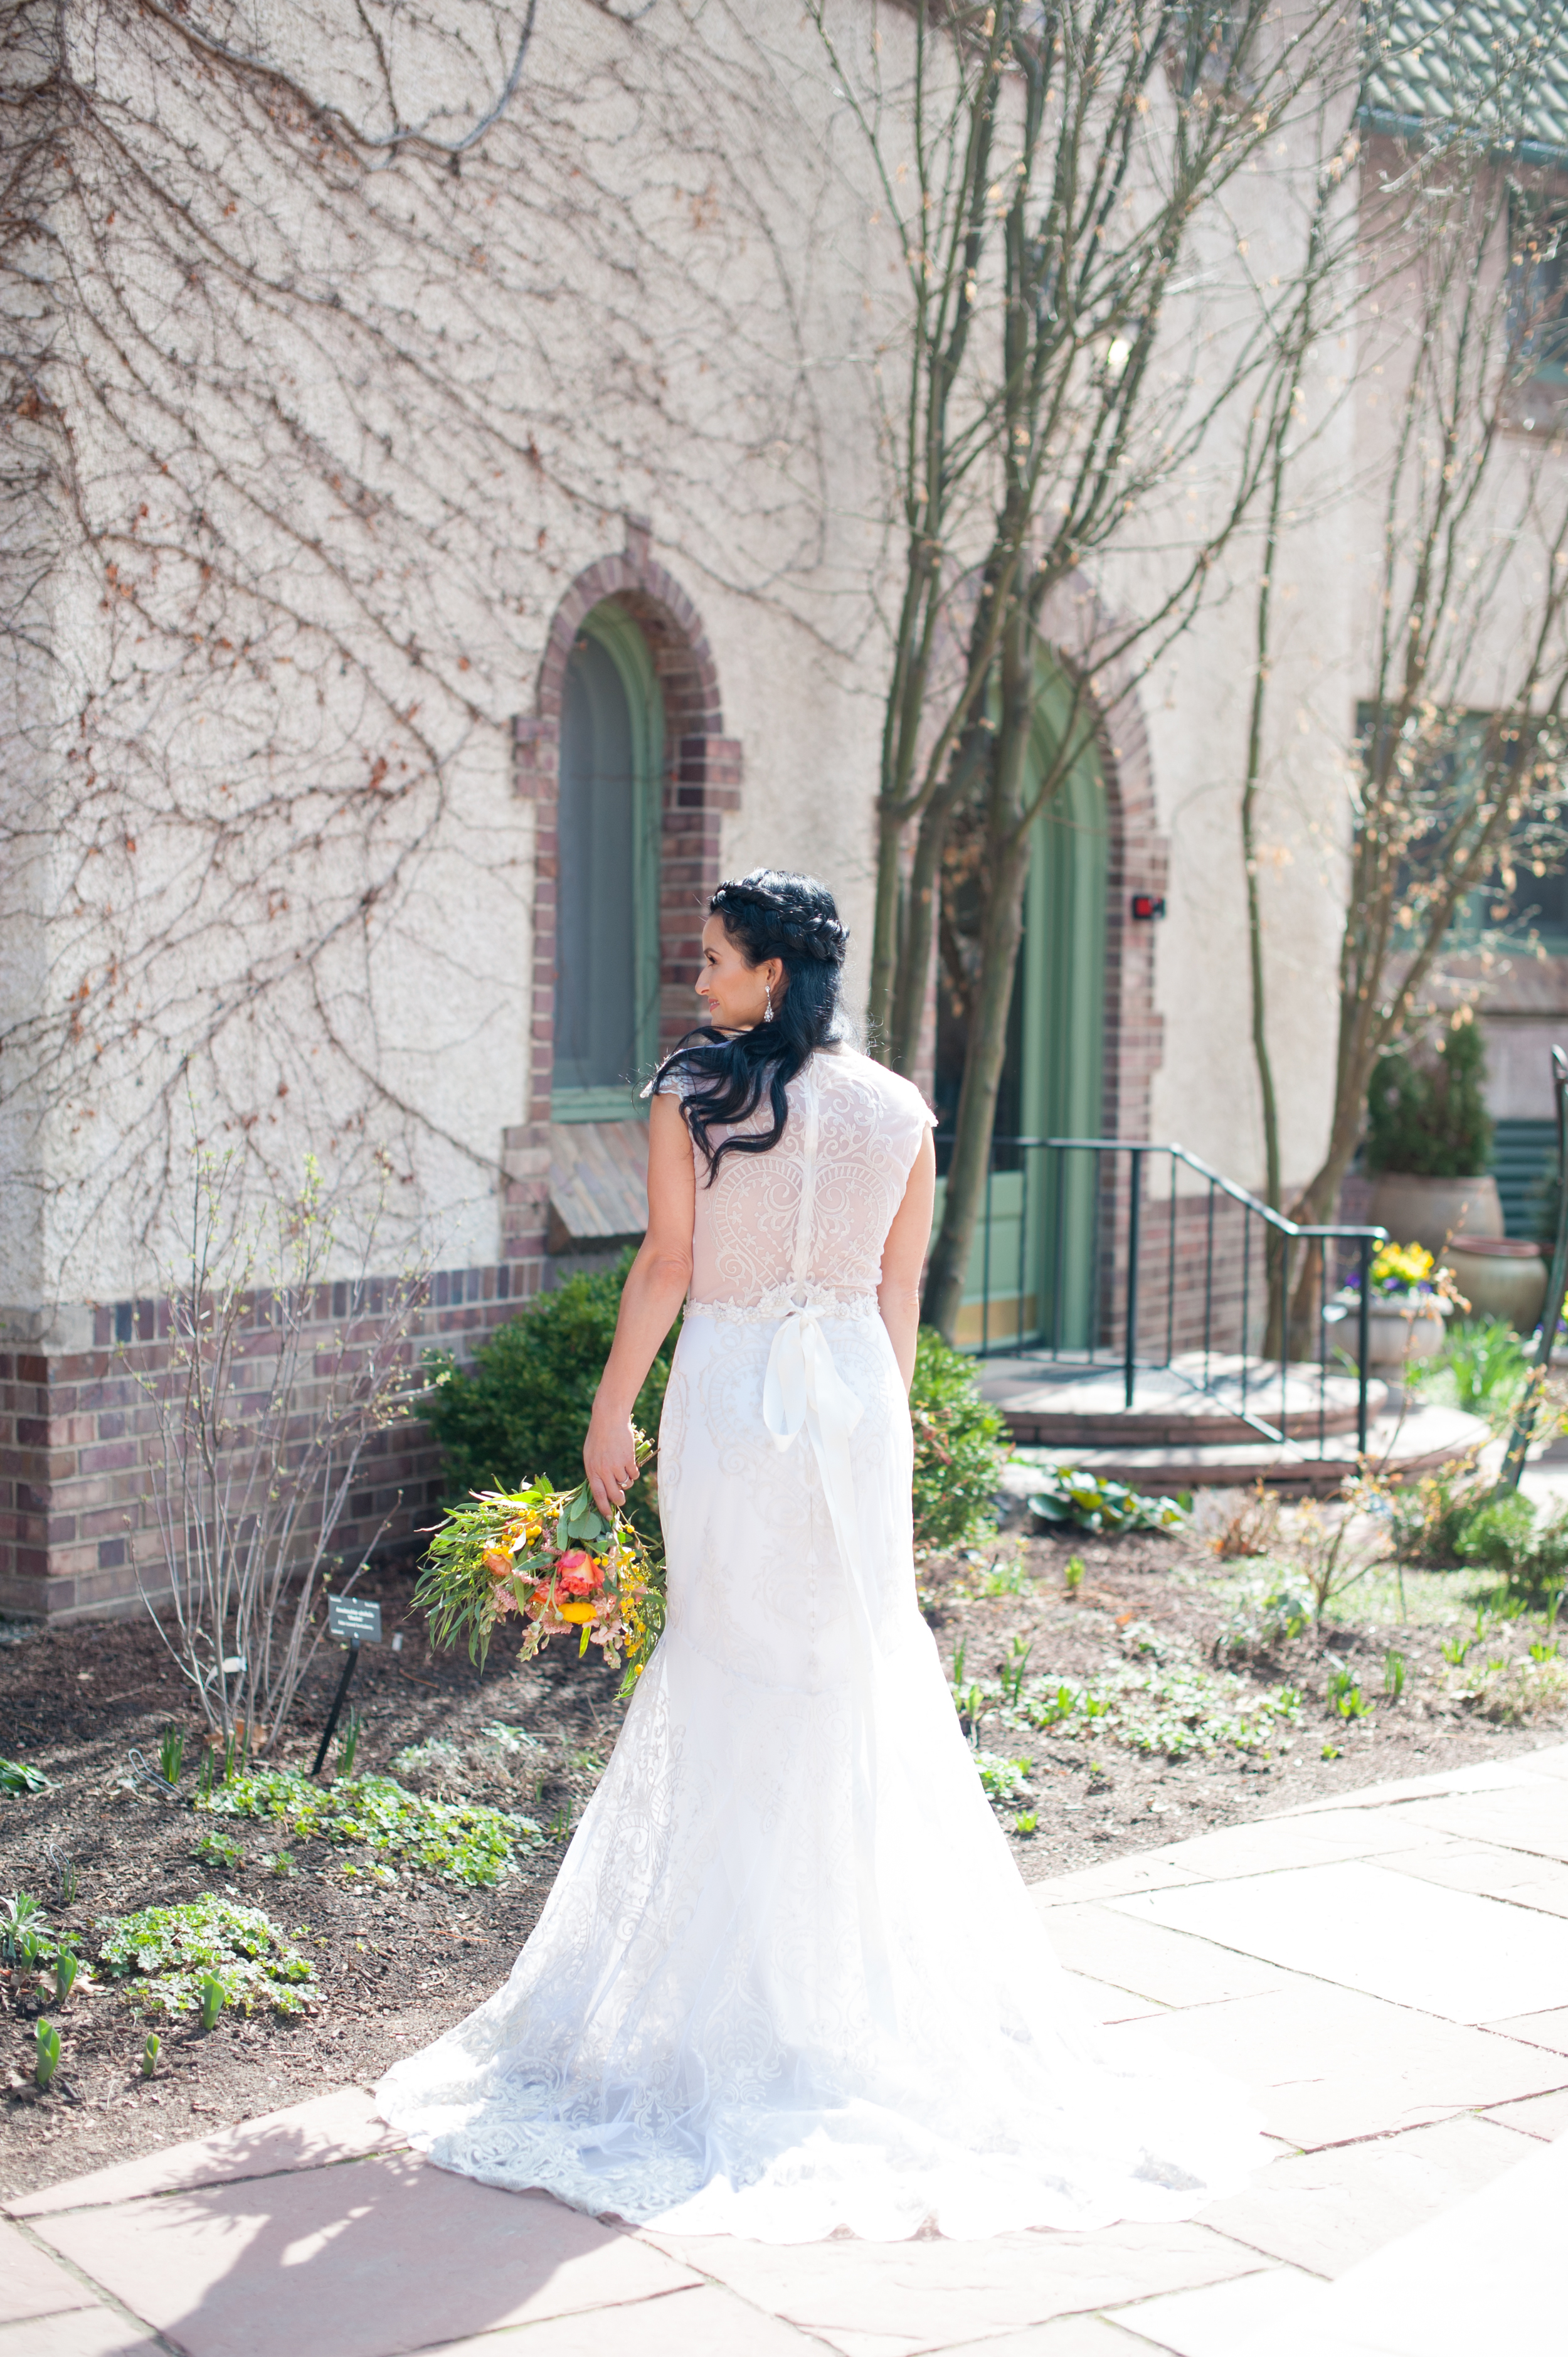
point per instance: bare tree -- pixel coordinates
(1430, 222)
(1059, 373)
(263, 1426)
(1464, 727)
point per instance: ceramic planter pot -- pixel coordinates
(1500, 1276)
(1430, 1211)
(1397, 1332)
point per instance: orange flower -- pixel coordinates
(578, 1574)
(497, 1563)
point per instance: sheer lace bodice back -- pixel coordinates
(810, 1218)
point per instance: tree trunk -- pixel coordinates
(1273, 1331)
(1002, 932)
(921, 898)
(886, 928)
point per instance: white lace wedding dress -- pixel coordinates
(788, 1981)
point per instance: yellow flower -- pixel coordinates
(1402, 1264)
(578, 1612)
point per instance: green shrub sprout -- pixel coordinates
(522, 1408)
(461, 1841)
(959, 1450)
(164, 1958)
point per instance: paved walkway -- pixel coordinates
(1389, 1972)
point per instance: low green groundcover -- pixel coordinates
(162, 1955)
(1093, 1505)
(1175, 1708)
(461, 1840)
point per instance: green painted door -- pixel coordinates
(1031, 1275)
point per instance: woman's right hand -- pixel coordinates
(609, 1460)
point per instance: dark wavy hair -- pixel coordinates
(768, 914)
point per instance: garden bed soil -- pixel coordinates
(399, 1964)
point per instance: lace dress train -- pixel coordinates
(787, 1981)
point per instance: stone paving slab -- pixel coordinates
(1486, 1776)
(89, 2332)
(1326, 2211)
(1508, 1875)
(1332, 1957)
(342, 2125)
(1243, 2319)
(369, 2259)
(1116, 1947)
(1530, 1818)
(1330, 2066)
(1546, 2030)
(1485, 2273)
(1537, 2116)
(704, 2321)
(1442, 1952)
(31, 2284)
(903, 2299)
(1071, 2336)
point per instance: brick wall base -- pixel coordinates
(77, 1435)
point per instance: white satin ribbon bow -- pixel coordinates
(803, 1387)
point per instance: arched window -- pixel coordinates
(606, 927)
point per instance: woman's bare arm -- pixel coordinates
(904, 1256)
(649, 1303)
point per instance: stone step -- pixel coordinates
(1401, 1447)
(1194, 1402)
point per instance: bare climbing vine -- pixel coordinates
(335, 337)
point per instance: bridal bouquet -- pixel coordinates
(549, 1556)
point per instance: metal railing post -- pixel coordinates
(1170, 1272)
(1246, 1294)
(1097, 1348)
(1363, 1345)
(1551, 1307)
(1130, 1345)
(985, 1262)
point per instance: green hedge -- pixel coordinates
(959, 1449)
(522, 1408)
(1428, 1113)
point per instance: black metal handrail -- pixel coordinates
(1116, 1291)
(1529, 1401)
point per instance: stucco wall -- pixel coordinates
(337, 441)
(331, 444)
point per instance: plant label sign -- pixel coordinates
(359, 1622)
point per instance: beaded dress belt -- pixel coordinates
(784, 1301)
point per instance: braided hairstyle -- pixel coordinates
(768, 914)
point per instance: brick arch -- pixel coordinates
(702, 784)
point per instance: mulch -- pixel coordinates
(398, 1965)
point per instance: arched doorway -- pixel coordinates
(606, 964)
(1040, 1215)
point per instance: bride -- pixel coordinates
(787, 1982)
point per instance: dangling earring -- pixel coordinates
(768, 1010)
